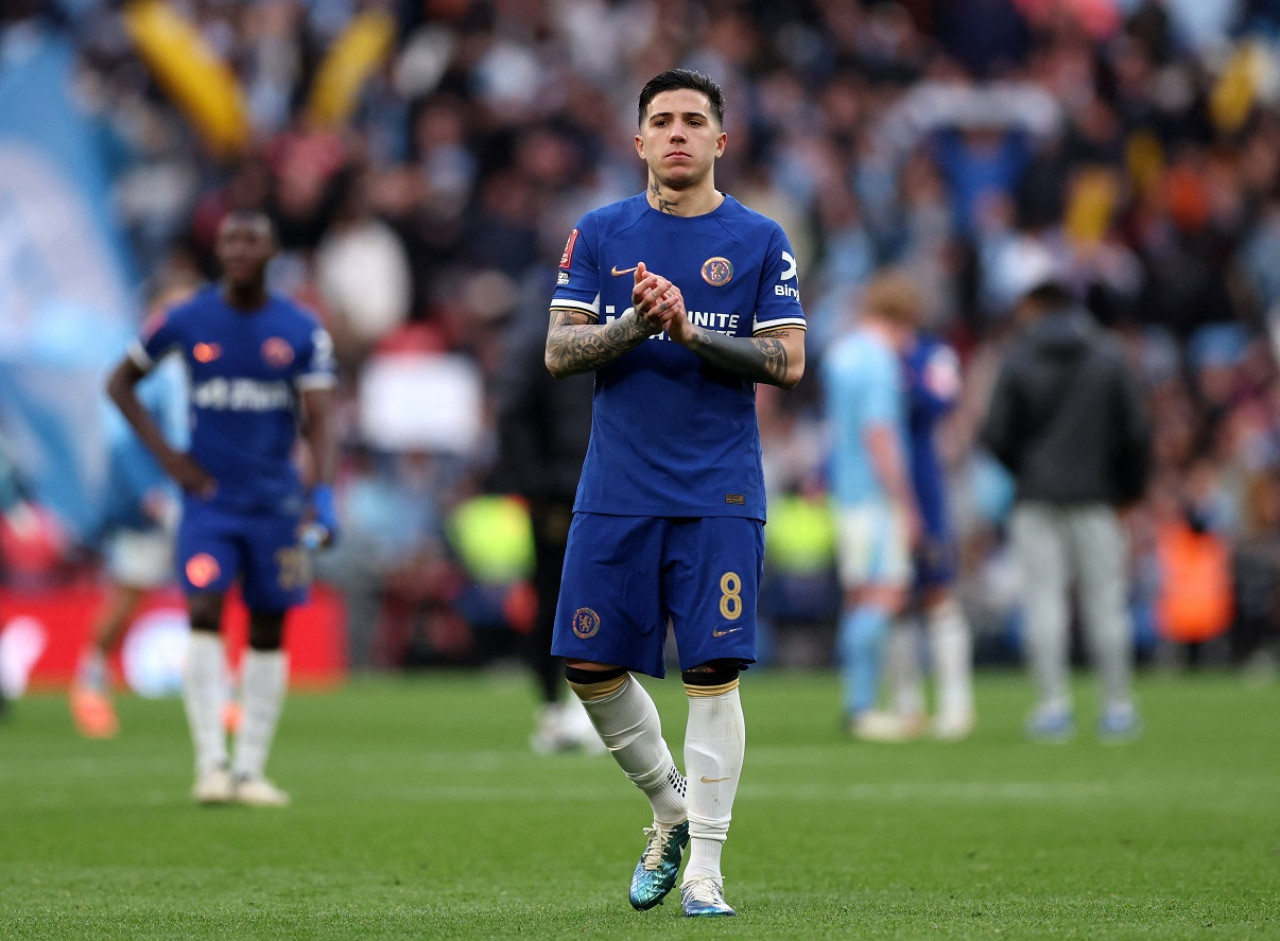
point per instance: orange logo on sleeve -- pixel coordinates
(277, 352)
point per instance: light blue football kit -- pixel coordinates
(247, 371)
(862, 378)
(669, 515)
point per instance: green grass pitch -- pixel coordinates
(419, 812)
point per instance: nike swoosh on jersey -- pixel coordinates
(618, 273)
(719, 633)
(706, 780)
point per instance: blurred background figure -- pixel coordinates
(13, 511)
(260, 376)
(878, 521)
(139, 520)
(932, 374)
(1066, 418)
(543, 428)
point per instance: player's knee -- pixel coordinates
(204, 619)
(266, 631)
(713, 678)
(204, 611)
(590, 685)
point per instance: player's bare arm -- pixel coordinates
(890, 463)
(185, 471)
(575, 345)
(319, 430)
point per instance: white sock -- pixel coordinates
(203, 694)
(628, 724)
(92, 670)
(902, 666)
(264, 677)
(714, 745)
(952, 649)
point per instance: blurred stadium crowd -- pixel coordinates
(426, 160)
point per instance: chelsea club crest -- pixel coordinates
(717, 271)
(585, 623)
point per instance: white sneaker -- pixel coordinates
(953, 727)
(875, 726)
(259, 792)
(548, 731)
(213, 787)
(564, 726)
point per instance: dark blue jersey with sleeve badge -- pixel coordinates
(671, 435)
(247, 370)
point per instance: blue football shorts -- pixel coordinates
(626, 578)
(936, 561)
(217, 545)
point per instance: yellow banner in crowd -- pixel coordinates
(354, 56)
(191, 73)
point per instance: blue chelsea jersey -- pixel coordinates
(932, 375)
(247, 370)
(670, 434)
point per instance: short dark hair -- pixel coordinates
(1050, 295)
(672, 79)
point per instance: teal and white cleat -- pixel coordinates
(704, 898)
(656, 872)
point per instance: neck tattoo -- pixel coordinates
(664, 204)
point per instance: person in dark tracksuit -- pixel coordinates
(543, 427)
(1067, 419)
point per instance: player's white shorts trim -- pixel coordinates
(140, 558)
(872, 545)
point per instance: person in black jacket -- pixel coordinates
(1067, 419)
(543, 427)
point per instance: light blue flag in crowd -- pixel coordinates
(67, 306)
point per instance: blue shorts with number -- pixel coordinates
(627, 577)
(216, 546)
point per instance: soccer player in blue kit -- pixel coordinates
(932, 377)
(680, 299)
(260, 371)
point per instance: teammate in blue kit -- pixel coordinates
(260, 370)
(680, 299)
(932, 377)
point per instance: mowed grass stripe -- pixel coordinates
(419, 812)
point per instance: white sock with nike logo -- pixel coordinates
(714, 745)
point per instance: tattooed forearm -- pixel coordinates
(574, 347)
(663, 204)
(762, 358)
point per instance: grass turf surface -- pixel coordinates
(419, 812)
